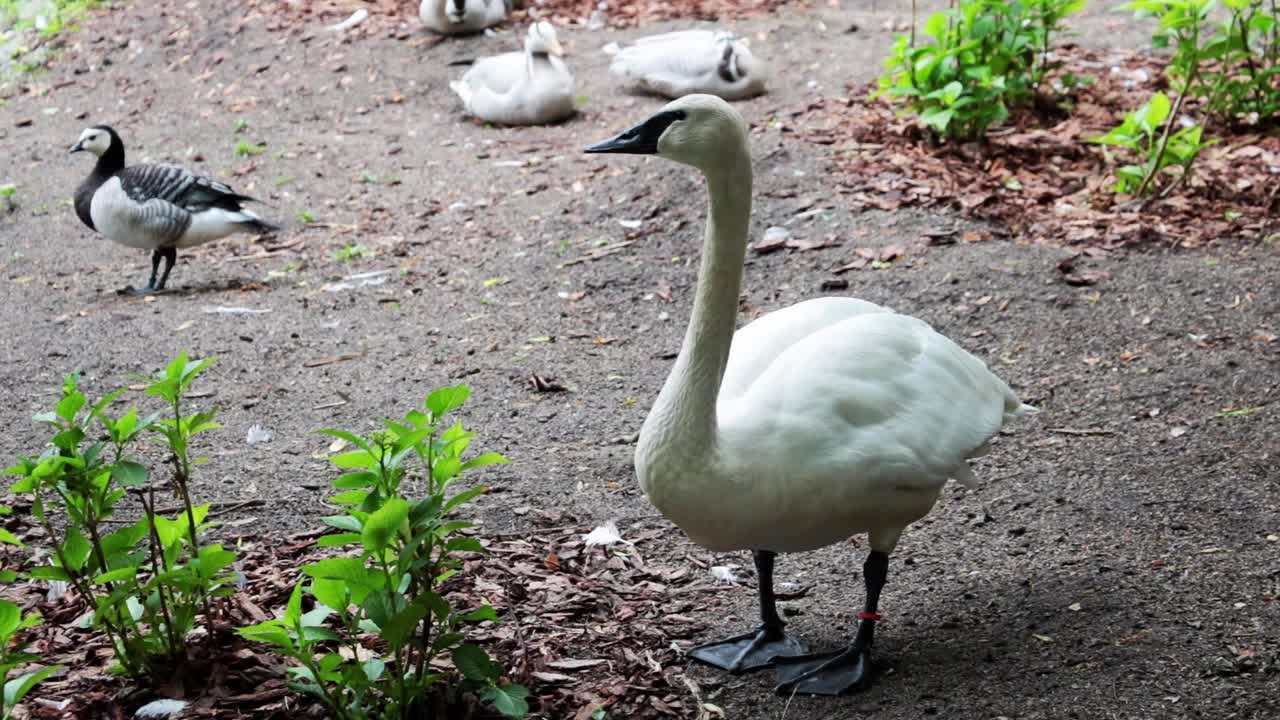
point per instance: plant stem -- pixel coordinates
(1192, 73)
(159, 562)
(913, 27)
(181, 473)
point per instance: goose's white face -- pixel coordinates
(95, 140)
(542, 39)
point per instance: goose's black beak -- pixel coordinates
(78, 147)
(641, 139)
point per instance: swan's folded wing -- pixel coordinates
(497, 74)
(693, 55)
(881, 395)
(682, 38)
(759, 343)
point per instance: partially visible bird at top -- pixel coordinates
(675, 64)
(533, 87)
(156, 207)
(460, 17)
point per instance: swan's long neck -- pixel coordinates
(683, 420)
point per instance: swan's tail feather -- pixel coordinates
(1025, 409)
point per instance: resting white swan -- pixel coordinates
(815, 422)
(690, 61)
(533, 87)
(458, 17)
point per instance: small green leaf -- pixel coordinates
(352, 570)
(293, 611)
(447, 399)
(9, 538)
(333, 593)
(382, 525)
(17, 688)
(474, 664)
(510, 700)
(10, 615)
(129, 473)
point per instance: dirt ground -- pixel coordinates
(1121, 559)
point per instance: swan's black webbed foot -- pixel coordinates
(832, 673)
(752, 651)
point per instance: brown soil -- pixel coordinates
(1121, 559)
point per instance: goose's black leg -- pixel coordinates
(170, 256)
(835, 673)
(754, 650)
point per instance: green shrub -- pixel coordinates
(1236, 69)
(1140, 134)
(385, 591)
(986, 57)
(148, 580)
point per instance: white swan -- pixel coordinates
(533, 87)
(458, 17)
(827, 418)
(690, 61)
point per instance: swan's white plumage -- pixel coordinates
(690, 61)
(533, 87)
(831, 417)
(443, 17)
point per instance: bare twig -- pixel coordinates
(1081, 431)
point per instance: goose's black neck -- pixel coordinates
(109, 163)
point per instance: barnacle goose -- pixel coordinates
(156, 207)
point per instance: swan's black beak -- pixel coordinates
(641, 139)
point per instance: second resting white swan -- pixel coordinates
(815, 422)
(685, 62)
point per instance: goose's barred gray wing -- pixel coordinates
(178, 186)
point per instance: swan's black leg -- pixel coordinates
(835, 673)
(754, 650)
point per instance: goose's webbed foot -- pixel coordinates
(751, 651)
(832, 673)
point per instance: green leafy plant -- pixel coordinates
(1157, 153)
(380, 616)
(147, 580)
(12, 657)
(348, 253)
(244, 148)
(986, 56)
(1236, 69)
(306, 216)
(1233, 71)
